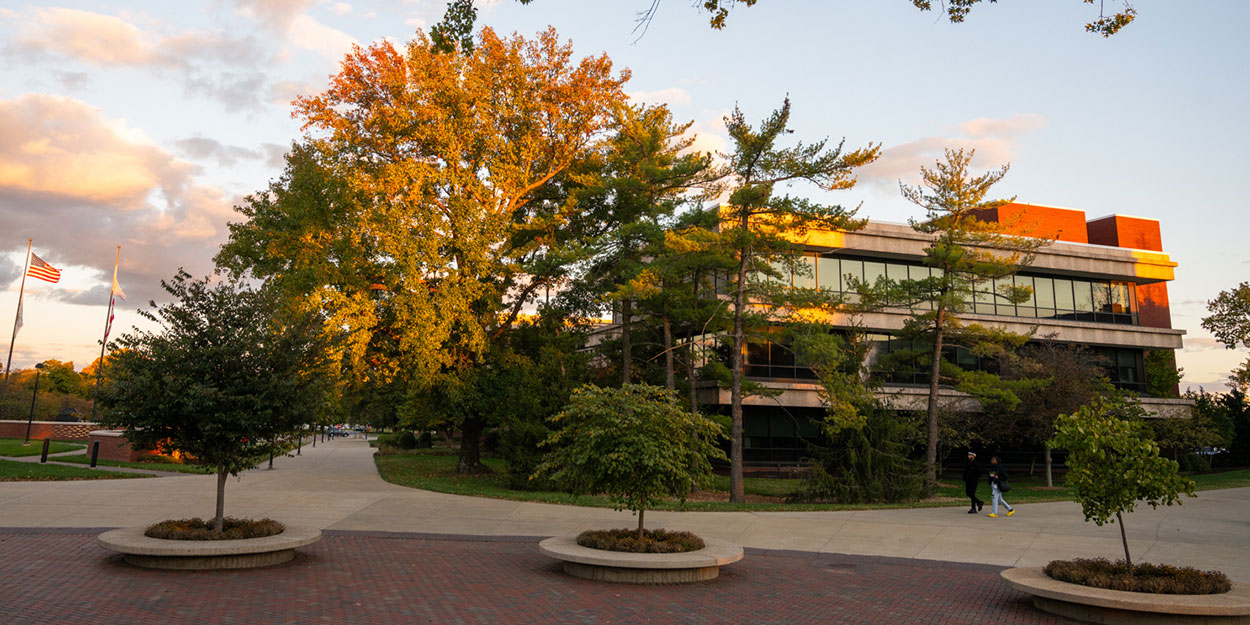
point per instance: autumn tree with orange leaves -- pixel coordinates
(417, 210)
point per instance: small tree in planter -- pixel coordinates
(222, 377)
(633, 444)
(1112, 464)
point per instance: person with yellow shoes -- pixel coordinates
(998, 486)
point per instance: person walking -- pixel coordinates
(998, 486)
(972, 477)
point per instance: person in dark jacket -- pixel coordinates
(972, 477)
(998, 481)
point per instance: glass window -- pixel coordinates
(782, 267)
(828, 273)
(1029, 307)
(1082, 296)
(1044, 292)
(1120, 298)
(1063, 294)
(984, 299)
(1102, 297)
(872, 271)
(851, 269)
(920, 272)
(805, 272)
(1002, 287)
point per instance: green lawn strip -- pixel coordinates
(13, 447)
(436, 472)
(1225, 479)
(14, 471)
(153, 466)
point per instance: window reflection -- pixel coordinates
(1073, 299)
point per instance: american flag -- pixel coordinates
(42, 270)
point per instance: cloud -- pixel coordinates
(671, 96)
(80, 184)
(284, 92)
(1201, 344)
(290, 20)
(340, 8)
(208, 63)
(275, 156)
(993, 139)
(277, 15)
(309, 34)
(226, 155)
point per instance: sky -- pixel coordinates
(142, 124)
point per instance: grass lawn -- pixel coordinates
(155, 466)
(13, 471)
(13, 448)
(436, 472)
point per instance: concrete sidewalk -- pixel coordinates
(335, 486)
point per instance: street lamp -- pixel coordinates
(38, 369)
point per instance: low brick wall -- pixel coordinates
(114, 446)
(39, 430)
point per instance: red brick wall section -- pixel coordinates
(1030, 220)
(1122, 231)
(1152, 305)
(39, 430)
(114, 448)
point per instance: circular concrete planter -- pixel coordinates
(641, 568)
(206, 555)
(1116, 607)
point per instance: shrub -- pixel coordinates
(865, 464)
(1193, 463)
(426, 440)
(199, 529)
(406, 440)
(652, 541)
(158, 459)
(1154, 578)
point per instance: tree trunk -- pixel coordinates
(219, 520)
(1050, 476)
(930, 457)
(691, 377)
(736, 493)
(640, 513)
(1124, 539)
(670, 373)
(471, 447)
(627, 356)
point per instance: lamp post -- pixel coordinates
(31, 418)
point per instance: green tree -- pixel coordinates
(645, 174)
(1229, 321)
(1113, 464)
(866, 455)
(633, 444)
(60, 377)
(1162, 374)
(966, 257)
(220, 378)
(1070, 377)
(760, 228)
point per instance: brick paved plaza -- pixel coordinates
(59, 576)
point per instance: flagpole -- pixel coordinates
(16, 318)
(108, 319)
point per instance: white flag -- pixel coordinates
(117, 288)
(18, 325)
